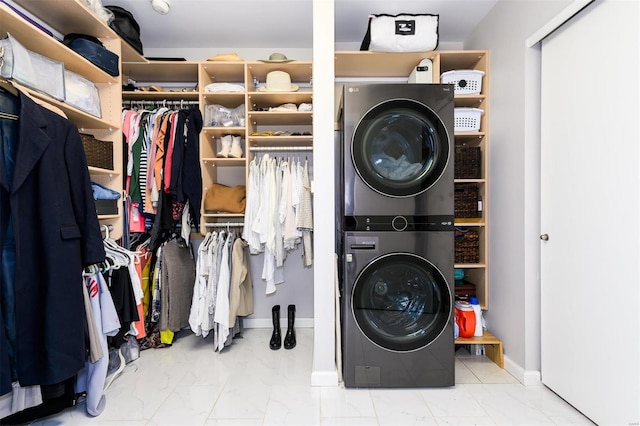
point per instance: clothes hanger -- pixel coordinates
(6, 85)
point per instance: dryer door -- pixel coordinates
(400, 148)
(401, 302)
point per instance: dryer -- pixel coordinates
(397, 298)
(397, 150)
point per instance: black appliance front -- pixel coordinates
(397, 322)
(397, 150)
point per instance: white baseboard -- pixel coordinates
(266, 323)
(324, 378)
(526, 377)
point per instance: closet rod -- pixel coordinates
(164, 102)
(224, 225)
(281, 148)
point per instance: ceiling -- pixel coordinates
(285, 23)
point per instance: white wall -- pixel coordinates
(514, 298)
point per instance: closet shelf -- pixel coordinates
(281, 140)
(222, 215)
(37, 41)
(469, 135)
(73, 16)
(276, 118)
(158, 96)
(82, 119)
(224, 162)
(469, 222)
(470, 180)
(299, 71)
(104, 172)
(216, 132)
(469, 101)
(161, 71)
(266, 99)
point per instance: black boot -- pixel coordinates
(276, 337)
(290, 337)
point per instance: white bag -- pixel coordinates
(401, 33)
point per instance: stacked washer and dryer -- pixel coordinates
(396, 235)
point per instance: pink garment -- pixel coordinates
(169, 154)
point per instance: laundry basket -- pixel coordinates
(467, 119)
(465, 82)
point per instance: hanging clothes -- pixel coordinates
(278, 193)
(46, 203)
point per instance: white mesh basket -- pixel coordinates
(465, 82)
(467, 119)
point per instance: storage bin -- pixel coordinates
(81, 93)
(106, 207)
(467, 162)
(466, 246)
(466, 119)
(32, 69)
(99, 153)
(467, 200)
(465, 82)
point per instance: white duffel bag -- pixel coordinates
(401, 33)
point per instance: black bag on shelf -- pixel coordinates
(94, 51)
(126, 26)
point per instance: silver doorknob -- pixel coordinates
(544, 237)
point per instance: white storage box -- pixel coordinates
(32, 69)
(466, 119)
(465, 82)
(81, 93)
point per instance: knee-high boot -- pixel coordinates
(276, 336)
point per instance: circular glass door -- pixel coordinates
(401, 302)
(400, 148)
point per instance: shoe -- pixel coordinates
(276, 338)
(236, 149)
(290, 337)
(226, 146)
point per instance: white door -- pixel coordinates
(590, 211)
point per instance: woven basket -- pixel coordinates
(468, 160)
(99, 153)
(467, 246)
(466, 197)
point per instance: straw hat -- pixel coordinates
(226, 57)
(278, 81)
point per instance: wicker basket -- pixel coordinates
(466, 200)
(467, 246)
(468, 161)
(99, 153)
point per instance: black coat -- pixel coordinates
(57, 233)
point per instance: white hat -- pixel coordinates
(278, 81)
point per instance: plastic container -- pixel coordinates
(465, 82)
(466, 119)
(473, 301)
(465, 318)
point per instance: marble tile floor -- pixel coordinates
(249, 384)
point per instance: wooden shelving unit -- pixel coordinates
(68, 16)
(369, 65)
(230, 171)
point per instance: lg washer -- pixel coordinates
(397, 149)
(397, 322)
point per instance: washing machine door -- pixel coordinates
(401, 302)
(400, 148)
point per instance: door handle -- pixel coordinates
(544, 237)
